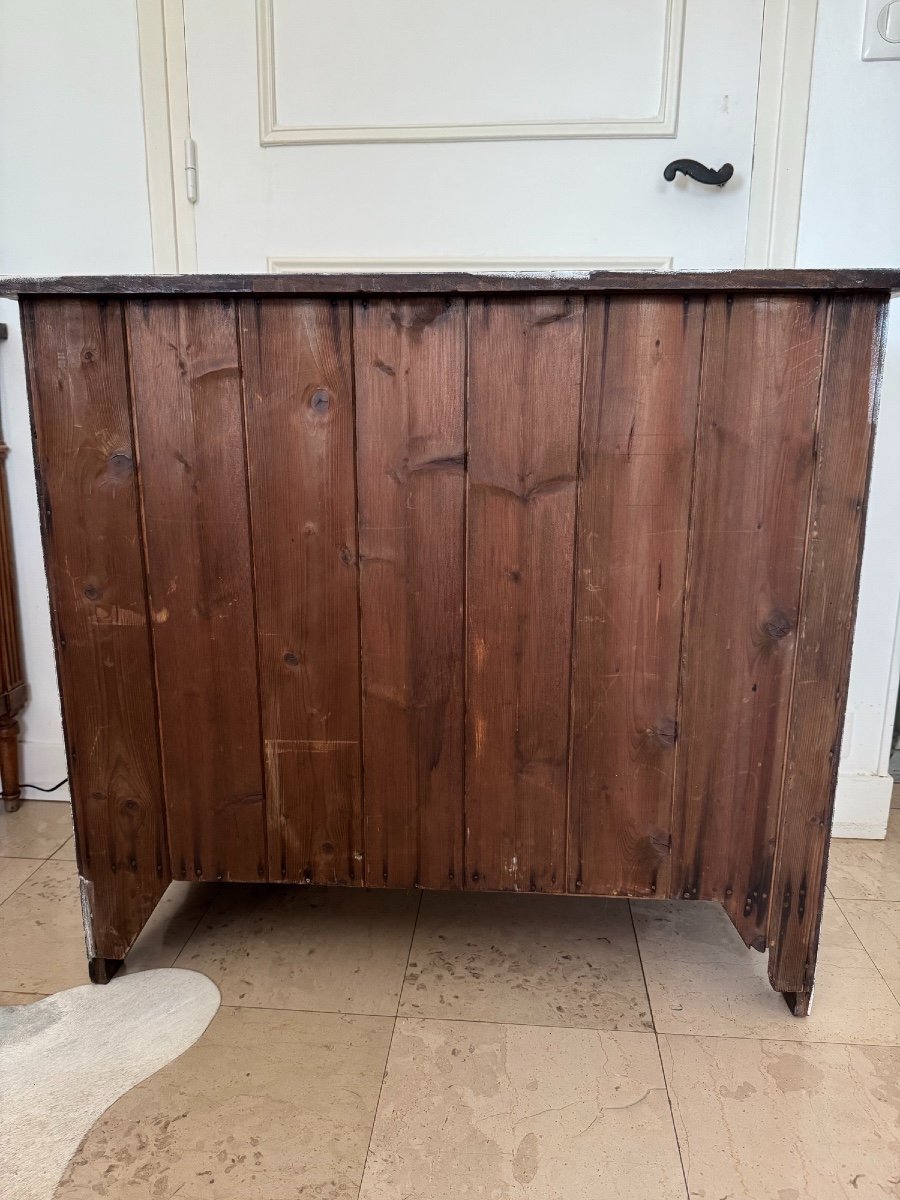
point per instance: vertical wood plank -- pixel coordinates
(759, 395)
(296, 357)
(831, 581)
(525, 358)
(187, 410)
(410, 394)
(89, 511)
(639, 414)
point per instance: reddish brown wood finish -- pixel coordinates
(297, 365)
(524, 399)
(545, 592)
(830, 581)
(637, 454)
(187, 411)
(89, 512)
(758, 400)
(410, 368)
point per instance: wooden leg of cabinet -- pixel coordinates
(9, 763)
(101, 970)
(792, 958)
(799, 1002)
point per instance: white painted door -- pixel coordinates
(511, 133)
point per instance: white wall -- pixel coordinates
(849, 217)
(73, 199)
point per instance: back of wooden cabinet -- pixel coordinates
(537, 592)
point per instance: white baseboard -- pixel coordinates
(44, 763)
(862, 805)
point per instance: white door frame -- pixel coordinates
(788, 39)
(779, 146)
(167, 126)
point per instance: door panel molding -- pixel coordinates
(663, 124)
(526, 264)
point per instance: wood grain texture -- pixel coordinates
(410, 363)
(830, 584)
(759, 395)
(396, 283)
(609, 552)
(89, 512)
(189, 434)
(639, 415)
(524, 401)
(296, 357)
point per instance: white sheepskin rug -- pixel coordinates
(65, 1059)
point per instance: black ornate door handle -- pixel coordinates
(690, 166)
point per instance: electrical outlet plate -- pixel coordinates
(881, 31)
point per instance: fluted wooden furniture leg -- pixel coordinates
(9, 763)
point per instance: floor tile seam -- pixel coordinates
(669, 1099)
(387, 1057)
(865, 948)
(40, 863)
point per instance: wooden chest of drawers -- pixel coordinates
(479, 582)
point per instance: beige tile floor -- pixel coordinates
(383, 1046)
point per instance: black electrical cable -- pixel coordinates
(35, 788)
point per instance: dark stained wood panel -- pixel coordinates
(189, 432)
(831, 579)
(639, 416)
(759, 395)
(89, 511)
(410, 363)
(359, 283)
(609, 539)
(296, 358)
(524, 390)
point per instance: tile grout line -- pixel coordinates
(38, 857)
(864, 947)
(723, 1037)
(863, 899)
(40, 863)
(637, 944)
(334, 1012)
(387, 1056)
(194, 929)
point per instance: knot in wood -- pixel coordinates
(777, 625)
(665, 731)
(120, 463)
